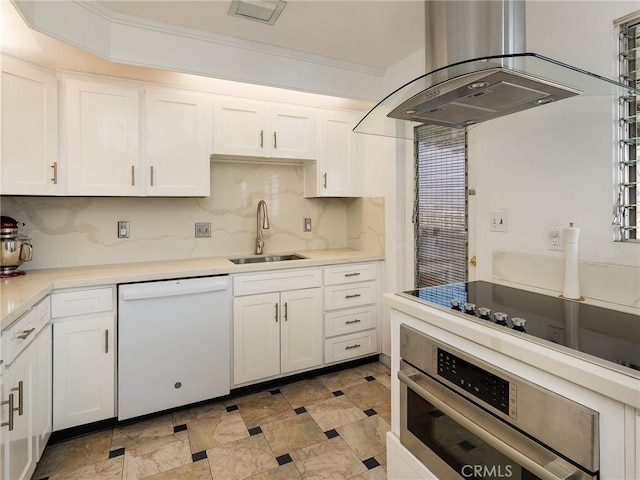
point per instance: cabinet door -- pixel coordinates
(292, 132)
(239, 128)
(301, 329)
(102, 139)
(43, 389)
(29, 130)
(335, 174)
(19, 455)
(256, 337)
(177, 151)
(84, 370)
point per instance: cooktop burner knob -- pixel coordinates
(455, 304)
(485, 313)
(518, 324)
(470, 308)
(501, 318)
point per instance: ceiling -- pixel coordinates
(374, 33)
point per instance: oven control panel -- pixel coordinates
(491, 389)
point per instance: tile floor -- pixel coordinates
(329, 427)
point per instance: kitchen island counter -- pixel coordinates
(19, 294)
(619, 383)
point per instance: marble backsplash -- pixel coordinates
(74, 231)
(619, 284)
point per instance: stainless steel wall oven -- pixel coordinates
(464, 418)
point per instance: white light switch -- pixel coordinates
(499, 221)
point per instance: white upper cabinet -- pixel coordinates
(292, 132)
(129, 139)
(102, 138)
(176, 146)
(335, 174)
(29, 130)
(263, 130)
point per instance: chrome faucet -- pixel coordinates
(262, 205)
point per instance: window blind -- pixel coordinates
(440, 206)
(626, 220)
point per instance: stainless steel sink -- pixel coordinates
(267, 258)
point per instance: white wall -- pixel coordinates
(554, 165)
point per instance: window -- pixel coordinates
(626, 220)
(440, 205)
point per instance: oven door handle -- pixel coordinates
(504, 448)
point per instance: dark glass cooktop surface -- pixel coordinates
(608, 335)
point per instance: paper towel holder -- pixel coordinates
(571, 287)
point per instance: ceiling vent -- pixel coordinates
(263, 11)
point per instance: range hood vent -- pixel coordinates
(482, 72)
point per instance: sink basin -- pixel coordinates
(267, 258)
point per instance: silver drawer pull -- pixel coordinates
(276, 313)
(354, 295)
(349, 347)
(357, 320)
(261, 138)
(20, 390)
(25, 333)
(352, 274)
(106, 341)
(11, 410)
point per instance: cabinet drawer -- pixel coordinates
(355, 295)
(351, 273)
(80, 302)
(43, 312)
(350, 346)
(18, 336)
(350, 320)
(276, 281)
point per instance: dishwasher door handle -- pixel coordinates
(173, 290)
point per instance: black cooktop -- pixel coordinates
(606, 334)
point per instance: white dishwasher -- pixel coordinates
(173, 343)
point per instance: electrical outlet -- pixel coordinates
(123, 229)
(203, 230)
(499, 221)
(556, 334)
(555, 238)
(307, 225)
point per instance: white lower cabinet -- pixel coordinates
(351, 311)
(25, 410)
(83, 357)
(276, 332)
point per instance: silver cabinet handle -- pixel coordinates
(106, 341)
(349, 347)
(353, 295)
(55, 173)
(25, 333)
(11, 410)
(348, 322)
(285, 311)
(275, 140)
(20, 390)
(261, 138)
(152, 175)
(276, 312)
(324, 181)
(133, 175)
(353, 274)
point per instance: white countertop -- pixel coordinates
(619, 383)
(19, 294)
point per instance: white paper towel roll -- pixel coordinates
(571, 288)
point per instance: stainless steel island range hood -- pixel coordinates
(481, 71)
